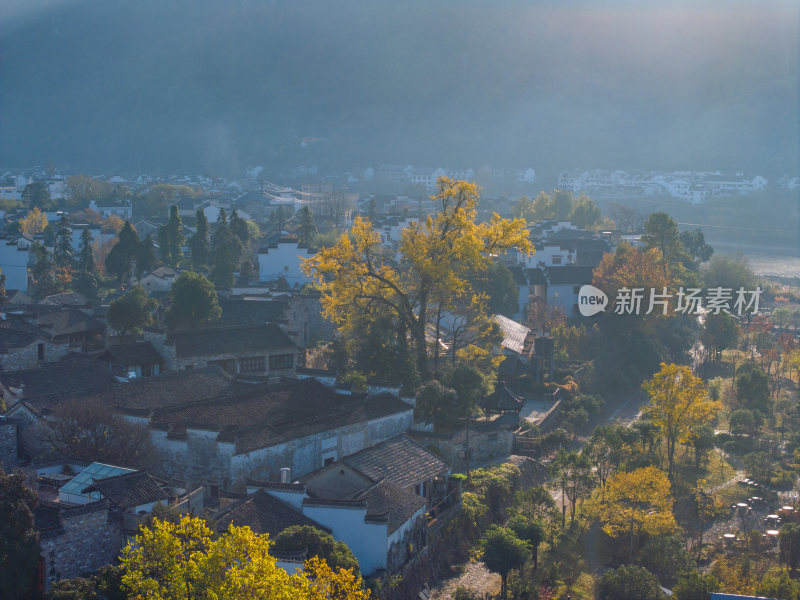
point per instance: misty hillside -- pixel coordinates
(213, 86)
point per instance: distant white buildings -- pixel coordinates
(428, 176)
(692, 186)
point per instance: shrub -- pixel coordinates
(629, 582)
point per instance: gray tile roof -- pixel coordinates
(129, 490)
(394, 503)
(141, 395)
(140, 353)
(71, 321)
(233, 340)
(67, 299)
(250, 312)
(399, 460)
(501, 399)
(263, 513)
(259, 416)
(22, 325)
(58, 379)
(536, 276)
(570, 275)
(11, 340)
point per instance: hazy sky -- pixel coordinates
(214, 86)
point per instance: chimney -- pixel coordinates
(286, 475)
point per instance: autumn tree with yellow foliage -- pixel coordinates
(182, 561)
(629, 267)
(635, 502)
(679, 405)
(34, 223)
(426, 277)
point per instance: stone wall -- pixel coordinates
(194, 458)
(89, 540)
(27, 357)
(158, 338)
(484, 445)
(550, 420)
(307, 326)
(32, 442)
(406, 541)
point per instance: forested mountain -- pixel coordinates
(214, 86)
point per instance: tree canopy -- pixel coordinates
(316, 543)
(629, 582)
(636, 502)
(19, 542)
(171, 238)
(226, 256)
(502, 551)
(33, 223)
(679, 404)
(429, 272)
(36, 195)
(120, 259)
(130, 312)
(192, 301)
(199, 241)
(179, 561)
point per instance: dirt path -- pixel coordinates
(475, 578)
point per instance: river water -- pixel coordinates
(765, 260)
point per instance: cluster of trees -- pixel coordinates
(156, 201)
(192, 302)
(19, 542)
(227, 251)
(61, 270)
(224, 253)
(181, 558)
(624, 480)
(397, 295)
(185, 560)
(130, 256)
(631, 346)
(561, 205)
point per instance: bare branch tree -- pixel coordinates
(90, 430)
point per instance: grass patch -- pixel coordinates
(583, 588)
(716, 471)
(735, 492)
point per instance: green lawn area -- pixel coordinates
(734, 493)
(716, 471)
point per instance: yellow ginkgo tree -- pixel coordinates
(636, 502)
(429, 273)
(679, 405)
(183, 561)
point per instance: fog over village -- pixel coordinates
(366, 300)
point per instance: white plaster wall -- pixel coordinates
(283, 260)
(367, 541)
